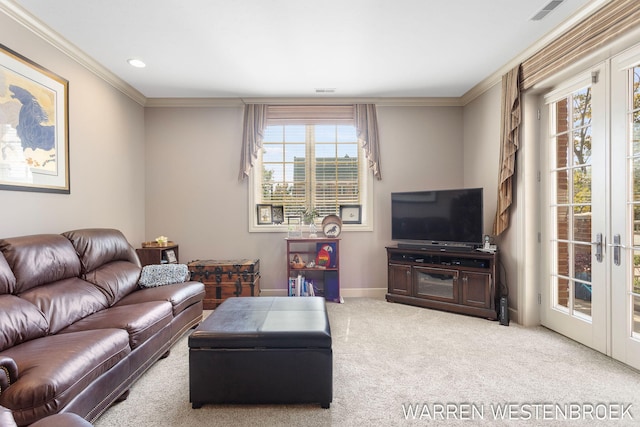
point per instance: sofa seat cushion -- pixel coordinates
(20, 321)
(180, 295)
(55, 369)
(66, 301)
(141, 321)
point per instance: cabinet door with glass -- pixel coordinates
(436, 283)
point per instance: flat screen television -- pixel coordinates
(440, 218)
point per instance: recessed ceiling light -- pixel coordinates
(136, 63)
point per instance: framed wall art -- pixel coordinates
(351, 214)
(277, 214)
(264, 214)
(34, 126)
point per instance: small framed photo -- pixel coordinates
(351, 214)
(264, 214)
(277, 214)
(294, 224)
(171, 256)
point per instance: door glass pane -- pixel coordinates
(636, 295)
(582, 284)
(562, 222)
(636, 179)
(563, 259)
(635, 88)
(581, 111)
(562, 151)
(582, 223)
(562, 297)
(636, 317)
(636, 226)
(562, 117)
(636, 272)
(562, 186)
(582, 262)
(582, 185)
(635, 126)
(582, 146)
(582, 299)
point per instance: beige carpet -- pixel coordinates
(451, 369)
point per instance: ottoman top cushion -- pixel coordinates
(265, 322)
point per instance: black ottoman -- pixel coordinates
(263, 350)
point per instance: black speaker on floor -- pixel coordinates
(503, 313)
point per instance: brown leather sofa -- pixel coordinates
(76, 329)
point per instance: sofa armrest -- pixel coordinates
(8, 372)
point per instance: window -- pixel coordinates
(313, 166)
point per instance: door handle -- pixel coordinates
(598, 244)
(616, 249)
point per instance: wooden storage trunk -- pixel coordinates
(226, 278)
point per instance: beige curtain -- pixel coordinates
(255, 119)
(509, 141)
(367, 125)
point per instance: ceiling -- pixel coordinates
(294, 48)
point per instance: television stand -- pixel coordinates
(458, 281)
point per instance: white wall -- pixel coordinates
(193, 195)
(106, 130)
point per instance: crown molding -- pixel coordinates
(31, 23)
(235, 102)
(193, 102)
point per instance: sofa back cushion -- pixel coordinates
(39, 259)
(7, 279)
(20, 321)
(116, 279)
(108, 261)
(66, 301)
(99, 246)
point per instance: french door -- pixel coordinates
(591, 208)
(624, 246)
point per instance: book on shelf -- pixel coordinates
(301, 287)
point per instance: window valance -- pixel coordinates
(310, 114)
(603, 26)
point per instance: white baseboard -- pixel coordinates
(344, 292)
